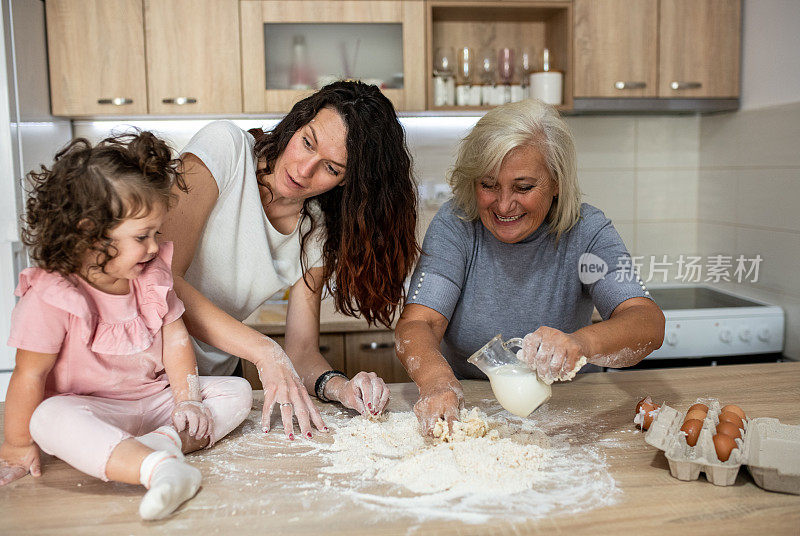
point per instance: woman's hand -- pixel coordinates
(194, 417)
(443, 399)
(16, 462)
(553, 354)
(365, 393)
(282, 385)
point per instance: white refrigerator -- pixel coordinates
(29, 136)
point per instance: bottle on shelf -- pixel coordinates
(299, 70)
(444, 91)
(487, 70)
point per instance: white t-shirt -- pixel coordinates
(241, 259)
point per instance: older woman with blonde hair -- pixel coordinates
(515, 252)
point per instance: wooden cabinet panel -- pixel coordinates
(193, 54)
(699, 48)
(331, 346)
(616, 48)
(96, 57)
(374, 352)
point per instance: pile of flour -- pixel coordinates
(479, 456)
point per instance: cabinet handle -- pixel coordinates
(323, 349)
(373, 346)
(180, 101)
(685, 85)
(116, 101)
(630, 85)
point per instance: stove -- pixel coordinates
(707, 322)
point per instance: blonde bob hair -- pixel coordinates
(528, 123)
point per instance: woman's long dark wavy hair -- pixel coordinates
(90, 190)
(370, 220)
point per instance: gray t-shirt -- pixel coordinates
(485, 287)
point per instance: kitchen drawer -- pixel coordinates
(373, 351)
(331, 346)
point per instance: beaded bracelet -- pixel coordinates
(322, 381)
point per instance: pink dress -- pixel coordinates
(108, 382)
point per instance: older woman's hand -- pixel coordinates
(442, 399)
(553, 354)
(365, 393)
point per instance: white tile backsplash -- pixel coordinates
(667, 194)
(610, 191)
(667, 142)
(769, 198)
(604, 142)
(717, 192)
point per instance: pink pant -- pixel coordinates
(83, 430)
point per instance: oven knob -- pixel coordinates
(744, 334)
(671, 338)
(725, 335)
(763, 334)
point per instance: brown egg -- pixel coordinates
(735, 409)
(694, 414)
(692, 429)
(723, 445)
(729, 429)
(647, 408)
(698, 406)
(727, 416)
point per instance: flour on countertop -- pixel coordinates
(511, 469)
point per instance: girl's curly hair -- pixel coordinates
(370, 221)
(72, 206)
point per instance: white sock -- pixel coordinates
(164, 438)
(170, 482)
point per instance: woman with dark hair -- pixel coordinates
(326, 200)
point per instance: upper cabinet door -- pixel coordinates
(193, 62)
(616, 48)
(292, 47)
(96, 57)
(699, 44)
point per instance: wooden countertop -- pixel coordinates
(270, 319)
(264, 493)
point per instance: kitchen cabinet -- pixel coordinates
(370, 351)
(98, 63)
(193, 64)
(616, 48)
(373, 351)
(677, 54)
(699, 48)
(324, 40)
(96, 57)
(495, 25)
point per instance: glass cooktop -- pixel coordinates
(697, 298)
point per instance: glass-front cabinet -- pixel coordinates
(292, 47)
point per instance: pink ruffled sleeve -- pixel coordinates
(36, 325)
(159, 303)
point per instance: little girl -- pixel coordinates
(105, 375)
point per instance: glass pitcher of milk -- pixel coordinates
(515, 385)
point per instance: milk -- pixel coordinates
(517, 388)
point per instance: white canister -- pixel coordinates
(517, 93)
(547, 86)
(475, 96)
(462, 94)
(444, 91)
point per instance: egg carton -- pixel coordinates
(770, 450)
